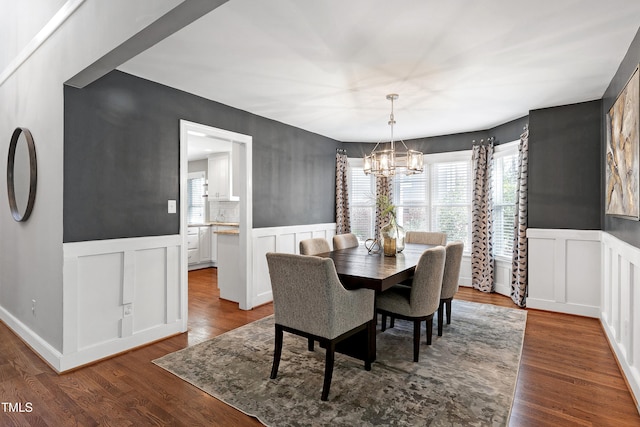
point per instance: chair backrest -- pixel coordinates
(451, 276)
(308, 295)
(344, 241)
(427, 282)
(314, 246)
(426, 237)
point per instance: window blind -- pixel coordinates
(361, 202)
(504, 199)
(451, 200)
(196, 199)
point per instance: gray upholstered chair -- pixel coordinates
(314, 246)
(344, 241)
(419, 301)
(426, 237)
(450, 280)
(310, 301)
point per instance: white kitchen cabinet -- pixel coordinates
(193, 244)
(199, 246)
(204, 244)
(221, 177)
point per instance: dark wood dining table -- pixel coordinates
(357, 269)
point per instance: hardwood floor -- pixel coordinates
(568, 375)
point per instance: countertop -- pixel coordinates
(206, 224)
(233, 231)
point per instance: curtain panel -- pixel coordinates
(343, 219)
(482, 260)
(519, 263)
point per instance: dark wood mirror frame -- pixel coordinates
(33, 174)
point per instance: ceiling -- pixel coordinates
(458, 65)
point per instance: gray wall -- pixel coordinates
(564, 167)
(624, 229)
(121, 161)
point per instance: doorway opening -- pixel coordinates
(216, 207)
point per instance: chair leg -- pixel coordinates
(429, 329)
(448, 304)
(440, 317)
(310, 344)
(383, 326)
(416, 340)
(328, 370)
(277, 352)
(392, 322)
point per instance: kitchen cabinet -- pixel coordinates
(221, 185)
(199, 246)
(204, 244)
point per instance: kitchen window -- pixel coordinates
(195, 198)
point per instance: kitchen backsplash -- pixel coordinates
(222, 211)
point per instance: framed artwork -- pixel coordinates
(622, 163)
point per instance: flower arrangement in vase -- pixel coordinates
(392, 234)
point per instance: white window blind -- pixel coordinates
(505, 172)
(411, 197)
(362, 206)
(451, 200)
(196, 200)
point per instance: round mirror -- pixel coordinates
(21, 174)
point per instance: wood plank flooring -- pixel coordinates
(568, 375)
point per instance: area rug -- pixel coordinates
(467, 377)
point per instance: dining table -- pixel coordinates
(359, 268)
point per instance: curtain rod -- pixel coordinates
(341, 151)
(483, 141)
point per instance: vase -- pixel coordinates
(392, 235)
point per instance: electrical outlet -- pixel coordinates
(33, 307)
(127, 309)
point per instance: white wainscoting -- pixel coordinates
(620, 299)
(565, 271)
(119, 294)
(280, 239)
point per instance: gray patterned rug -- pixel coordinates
(467, 377)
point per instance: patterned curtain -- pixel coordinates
(383, 188)
(343, 219)
(482, 262)
(519, 264)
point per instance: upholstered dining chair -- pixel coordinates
(321, 310)
(450, 280)
(344, 241)
(426, 237)
(314, 246)
(419, 301)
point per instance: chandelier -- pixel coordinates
(388, 162)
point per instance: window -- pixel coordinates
(196, 199)
(362, 204)
(438, 199)
(451, 200)
(505, 174)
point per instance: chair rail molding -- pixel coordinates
(620, 302)
(565, 271)
(280, 239)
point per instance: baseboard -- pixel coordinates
(42, 348)
(563, 307)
